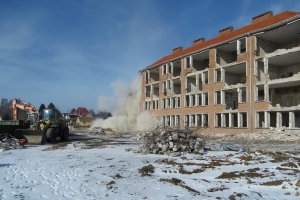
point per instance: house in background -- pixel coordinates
(81, 111)
(103, 115)
(85, 120)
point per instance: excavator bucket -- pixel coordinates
(31, 136)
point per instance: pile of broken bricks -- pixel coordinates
(170, 142)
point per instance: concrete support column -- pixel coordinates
(197, 99)
(172, 85)
(267, 119)
(172, 68)
(291, 119)
(185, 62)
(190, 100)
(239, 93)
(239, 120)
(203, 78)
(171, 120)
(167, 68)
(266, 65)
(203, 99)
(266, 92)
(176, 102)
(222, 74)
(191, 61)
(222, 120)
(230, 118)
(203, 120)
(197, 80)
(222, 94)
(190, 120)
(238, 46)
(278, 119)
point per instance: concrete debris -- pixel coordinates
(7, 141)
(273, 134)
(99, 131)
(226, 147)
(173, 142)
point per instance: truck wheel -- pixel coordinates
(65, 135)
(51, 135)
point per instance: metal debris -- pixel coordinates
(7, 141)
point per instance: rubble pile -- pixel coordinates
(98, 131)
(9, 142)
(271, 134)
(174, 142)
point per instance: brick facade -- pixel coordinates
(242, 81)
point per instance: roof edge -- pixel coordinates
(229, 40)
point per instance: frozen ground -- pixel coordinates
(109, 168)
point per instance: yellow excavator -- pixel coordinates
(47, 129)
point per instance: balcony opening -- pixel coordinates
(200, 61)
(297, 119)
(187, 120)
(260, 93)
(234, 118)
(285, 96)
(235, 74)
(227, 53)
(205, 77)
(218, 75)
(226, 119)
(285, 119)
(285, 37)
(217, 97)
(218, 122)
(260, 120)
(176, 68)
(272, 119)
(191, 84)
(187, 101)
(243, 120)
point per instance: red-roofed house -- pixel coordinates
(81, 111)
(241, 81)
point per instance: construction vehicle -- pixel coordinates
(31, 111)
(51, 126)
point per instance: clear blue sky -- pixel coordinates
(69, 52)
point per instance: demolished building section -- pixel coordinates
(242, 81)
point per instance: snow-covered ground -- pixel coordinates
(114, 171)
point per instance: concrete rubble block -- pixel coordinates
(175, 136)
(164, 147)
(175, 154)
(171, 144)
(182, 135)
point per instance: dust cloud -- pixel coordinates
(126, 116)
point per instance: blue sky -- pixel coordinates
(70, 52)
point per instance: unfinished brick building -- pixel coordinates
(242, 81)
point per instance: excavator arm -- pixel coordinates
(24, 106)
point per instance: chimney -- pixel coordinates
(262, 17)
(177, 49)
(198, 41)
(226, 30)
